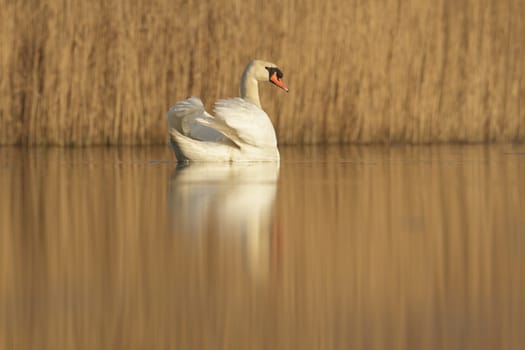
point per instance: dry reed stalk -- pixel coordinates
(105, 72)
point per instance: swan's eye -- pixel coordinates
(274, 71)
(275, 77)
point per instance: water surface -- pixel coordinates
(336, 248)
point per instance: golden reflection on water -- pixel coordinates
(232, 203)
(351, 247)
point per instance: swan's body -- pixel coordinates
(240, 129)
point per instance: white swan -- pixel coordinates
(240, 129)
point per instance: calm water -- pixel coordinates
(336, 248)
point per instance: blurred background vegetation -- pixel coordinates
(106, 71)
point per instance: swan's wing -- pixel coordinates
(242, 122)
(183, 118)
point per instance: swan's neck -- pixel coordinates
(250, 88)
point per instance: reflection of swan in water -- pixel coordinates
(231, 200)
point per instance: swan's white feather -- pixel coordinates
(245, 121)
(187, 148)
(183, 117)
(241, 131)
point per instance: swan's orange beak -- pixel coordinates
(274, 79)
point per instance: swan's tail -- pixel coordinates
(186, 117)
(181, 117)
(183, 120)
(187, 148)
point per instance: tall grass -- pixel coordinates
(105, 72)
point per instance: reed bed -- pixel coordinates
(106, 72)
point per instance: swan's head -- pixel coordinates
(266, 71)
(275, 77)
